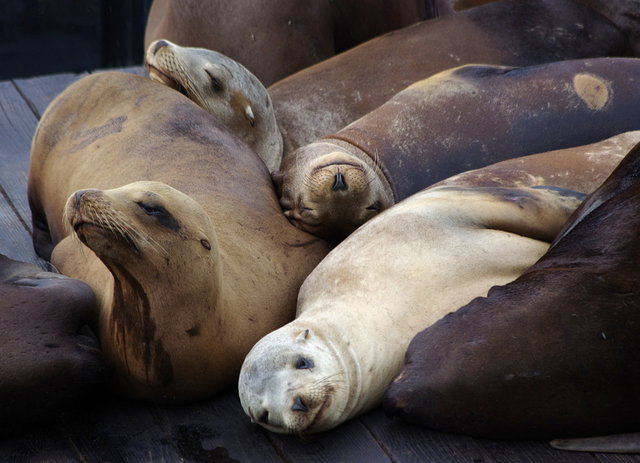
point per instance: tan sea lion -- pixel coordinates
(277, 38)
(457, 120)
(224, 88)
(188, 253)
(324, 98)
(50, 360)
(554, 353)
(402, 270)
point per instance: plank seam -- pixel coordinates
(7, 199)
(75, 448)
(31, 106)
(279, 451)
(384, 448)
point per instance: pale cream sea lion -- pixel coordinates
(401, 271)
(186, 248)
(225, 89)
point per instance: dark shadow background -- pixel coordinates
(40, 37)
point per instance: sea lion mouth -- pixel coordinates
(159, 76)
(80, 227)
(319, 413)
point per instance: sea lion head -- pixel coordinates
(294, 382)
(140, 222)
(223, 88)
(332, 194)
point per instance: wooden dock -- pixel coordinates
(217, 430)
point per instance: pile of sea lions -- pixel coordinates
(440, 219)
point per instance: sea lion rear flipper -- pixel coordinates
(616, 443)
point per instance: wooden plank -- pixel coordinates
(39, 445)
(531, 452)
(217, 430)
(349, 442)
(408, 443)
(39, 91)
(119, 430)
(15, 240)
(615, 458)
(17, 125)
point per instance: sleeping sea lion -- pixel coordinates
(402, 270)
(324, 98)
(458, 120)
(225, 89)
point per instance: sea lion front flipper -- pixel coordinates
(534, 212)
(615, 443)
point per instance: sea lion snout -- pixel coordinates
(157, 45)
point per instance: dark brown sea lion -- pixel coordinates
(324, 98)
(188, 252)
(275, 39)
(48, 359)
(553, 353)
(455, 121)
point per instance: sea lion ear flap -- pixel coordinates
(302, 337)
(248, 113)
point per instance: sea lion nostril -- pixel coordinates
(299, 406)
(264, 418)
(78, 197)
(339, 184)
(158, 45)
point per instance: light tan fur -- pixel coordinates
(397, 274)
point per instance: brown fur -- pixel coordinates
(112, 129)
(455, 121)
(276, 39)
(327, 96)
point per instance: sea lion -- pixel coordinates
(50, 360)
(554, 353)
(324, 98)
(402, 270)
(188, 253)
(457, 120)
(276, 39)
(224, 88)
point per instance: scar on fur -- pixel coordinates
(593, 91)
